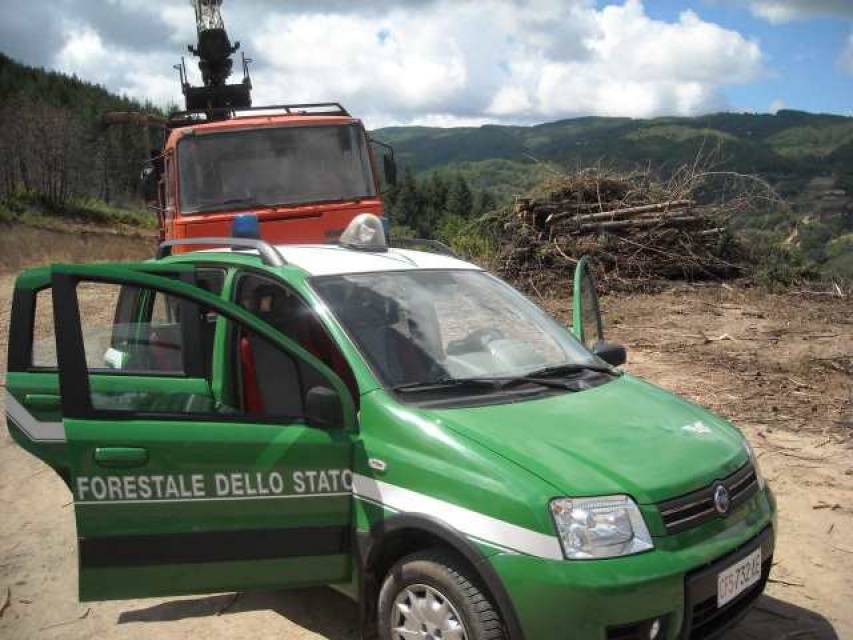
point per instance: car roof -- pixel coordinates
(329, 259)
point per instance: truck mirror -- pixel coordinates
(150, 184)
(151, 174)
(323, 408)
(157, 161)
(390, 169)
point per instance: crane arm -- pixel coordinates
(208, 14)
(214, 51)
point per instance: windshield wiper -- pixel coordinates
(496, 383)
(569, 369)
(446, 383)
(217, 205)
(545, 377)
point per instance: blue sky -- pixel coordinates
(459, 62)
(802, 55)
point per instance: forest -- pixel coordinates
(58, 158)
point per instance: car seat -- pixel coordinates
(372, 319)
(272, 383)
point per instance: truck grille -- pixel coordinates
(693, 509)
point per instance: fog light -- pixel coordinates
(654, 629)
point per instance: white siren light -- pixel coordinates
(365, 233)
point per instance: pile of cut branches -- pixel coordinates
(638, 232)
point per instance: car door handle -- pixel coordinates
(121, 456)
(43, 401)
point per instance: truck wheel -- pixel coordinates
(430, 595)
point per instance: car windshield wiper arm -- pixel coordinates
(446, 383)
(568, 369)
(496, 383)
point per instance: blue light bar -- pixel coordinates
(246, 225)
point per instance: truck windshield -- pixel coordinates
(427, 328)
(273, 166)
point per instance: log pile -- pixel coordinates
(637, 232)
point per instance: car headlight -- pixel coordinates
(604, 527)
(759, 477)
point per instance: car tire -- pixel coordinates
(428, 579)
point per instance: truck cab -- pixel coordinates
(305, 171)
(399, 424)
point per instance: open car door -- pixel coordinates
(32, 400)
(586, 315)
(180, 487)
(33, 414)
(587, 324)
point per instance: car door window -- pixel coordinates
(148, 351)
(139, 333)
(43, 354)
(587, 313)
(119, 336)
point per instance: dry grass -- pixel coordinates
(23, 246)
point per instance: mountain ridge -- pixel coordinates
(789, 148)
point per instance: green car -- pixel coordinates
(399, 424)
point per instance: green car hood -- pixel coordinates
(622, 437)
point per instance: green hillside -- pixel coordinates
(788, 148)
(807, 158)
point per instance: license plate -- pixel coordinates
(738, 578)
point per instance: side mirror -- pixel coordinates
(390, 169)
(157, 161)
(151, 174)
(323, 408)
(150, 185)
(612, 353)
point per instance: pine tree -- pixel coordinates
(408, 201)
(436, 192)
(460, 200)
(486, 202)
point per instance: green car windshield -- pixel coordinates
(418, 327)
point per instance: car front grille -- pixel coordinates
(693, 509)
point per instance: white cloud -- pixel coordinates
(777, 105)
(140, 75)
(81, 50)
(506, 61)
(448, 61)
(782, 11)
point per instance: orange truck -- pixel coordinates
(305, 171)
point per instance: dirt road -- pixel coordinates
(780, 366)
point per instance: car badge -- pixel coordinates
(722, 502)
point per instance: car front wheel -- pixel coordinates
(432, 595)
